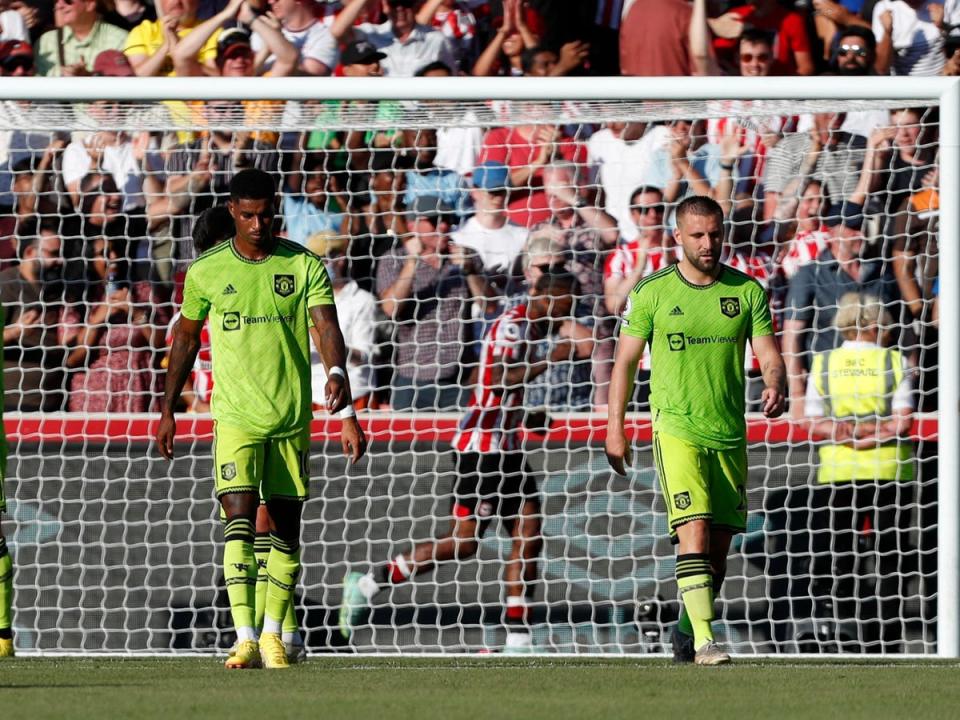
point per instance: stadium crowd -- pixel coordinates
(430, 234)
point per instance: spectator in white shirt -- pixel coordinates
(300, 25)
(909, 41)
(622, 155)
(113, 152)
(497, 241)
(356, 310)
(407, 45)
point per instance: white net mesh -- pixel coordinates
(118, 550)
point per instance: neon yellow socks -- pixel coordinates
(240, 571)
(695, 583)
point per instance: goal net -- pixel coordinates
(435, 218)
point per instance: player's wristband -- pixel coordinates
(337, 370)
(347, 412)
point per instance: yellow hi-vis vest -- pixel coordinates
(857, 383)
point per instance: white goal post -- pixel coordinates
(649, 92)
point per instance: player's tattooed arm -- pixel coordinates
(186, 345)
(333, 352)
(774, 375)
(616, 445)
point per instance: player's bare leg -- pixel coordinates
(458, 543)
(520, 575)
(695, 581)
(240, 575)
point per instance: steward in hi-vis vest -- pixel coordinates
(860, 397)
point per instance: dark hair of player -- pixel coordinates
(699, 205)
(556, 283)
(213, 226)
(252, 184)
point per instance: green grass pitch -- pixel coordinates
(493, 687)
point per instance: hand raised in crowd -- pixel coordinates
(26, 320)
(831, 10)
(202, 173)
(881, 138)
(546, 138)
(119, 302)
(465, 258)
(886, 21)
(936, 13)
(572, 55)
(30, 15)
(170, 38)
(727, 26)
(413, 246)
(509, 25)
(679, 144)
(731, 147)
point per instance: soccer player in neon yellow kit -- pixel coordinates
(6, 562)
(697, 317)
(260, 292)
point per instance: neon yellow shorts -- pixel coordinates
(700, 483)
(271, 467)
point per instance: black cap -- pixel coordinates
(361, 52)
(431, 206)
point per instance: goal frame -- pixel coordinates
(941, 90)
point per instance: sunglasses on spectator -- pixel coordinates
(858, 50)
(657, 208)
(402, 3)
(750, 57)
(548, 268)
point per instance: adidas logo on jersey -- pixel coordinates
(676, 310)
(229, 290)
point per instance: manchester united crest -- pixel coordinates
(730, 306)
(284, 285)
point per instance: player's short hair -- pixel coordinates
(212, 227)
(858, 312)
(699, 205)
(561, 282)
(252, 184)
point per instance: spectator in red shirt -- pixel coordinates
(666, 37)
(791, 45)
(526, 149)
